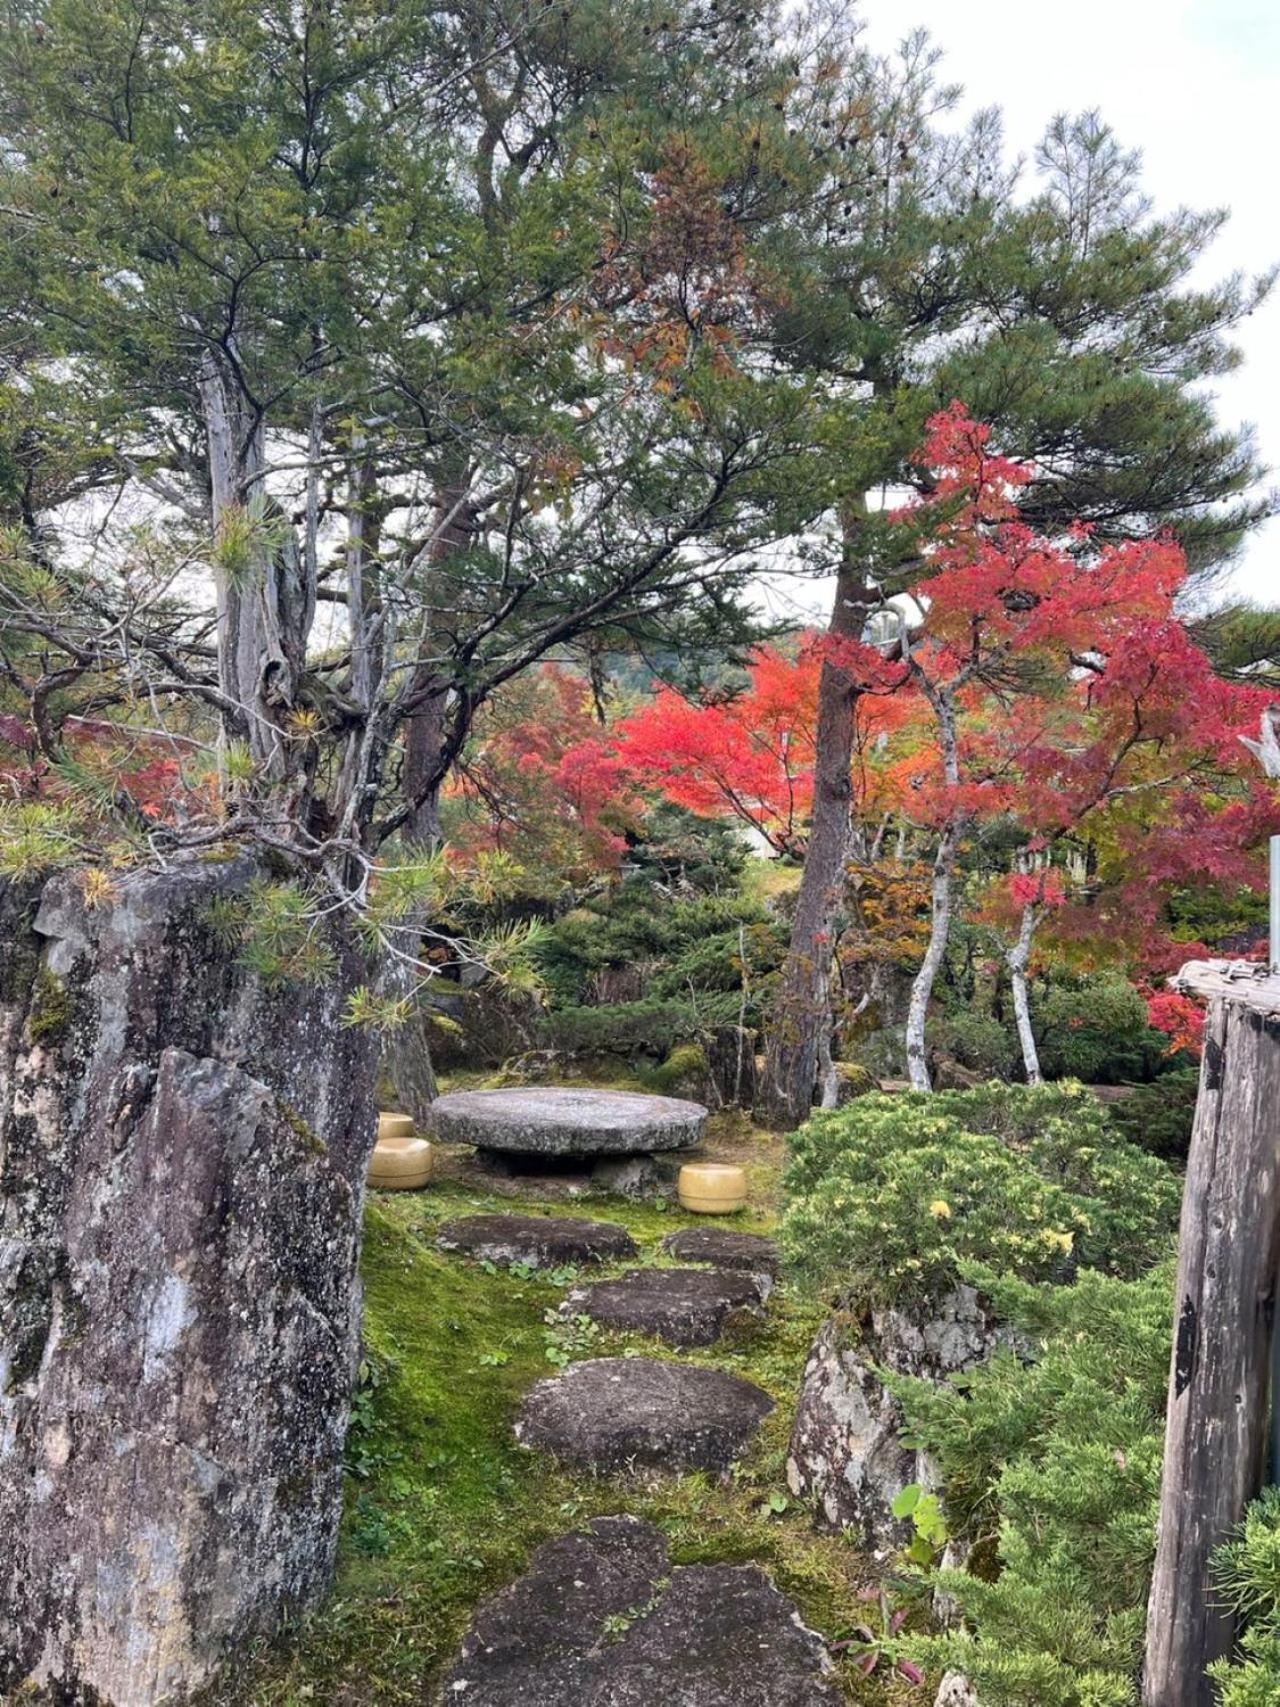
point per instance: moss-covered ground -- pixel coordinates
(443, 1507)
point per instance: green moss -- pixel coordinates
(52, 1008)
(444, 1508)
(311, 1140)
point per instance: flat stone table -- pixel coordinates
(553, 1122)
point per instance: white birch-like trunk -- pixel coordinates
(942, 899)
(1017, 959)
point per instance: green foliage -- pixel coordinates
(1159, 1117)
(978, 1041)
(1058, 1461)
(1247, 1572)
(1096, 1029)
(650, 1027)
(36, 838)
(890, 1196)
(278, 930)
(685, 1068)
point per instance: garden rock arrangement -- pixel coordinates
(601, 1616)
(565, 1122)
(623, 1413)
(540, 1241)
(684, 1306)
(847, 1450)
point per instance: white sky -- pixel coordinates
(1195, 84)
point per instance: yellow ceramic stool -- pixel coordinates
(712, 1188)
(400, 1162)
(395, 1126)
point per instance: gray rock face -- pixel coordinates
(602, 1620)
(539, 1121)
(637, 1177)
(846, 1447)
(684, 1306)
(542, 1241)
(748, 1252)
(182, 1158)
(623, 1413)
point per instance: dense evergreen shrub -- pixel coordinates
(1159, 1117)
(1058, 1460)
(1096, 1029)
(978, 1041)
(890, 1195)
(651, 1028)
(1247, 1570)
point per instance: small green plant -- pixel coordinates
(568, 1337)
(925, 1512)
(1247, 1573)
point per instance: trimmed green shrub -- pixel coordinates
(889, 1196)
(1060, 1458)
(1159, 1117)
(1247, 1571)
(651, 1028)
(978, 1041)
(1096, 1029)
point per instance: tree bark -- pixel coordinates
(182, 1161)
(1017, 959)
(1216, 1435)
(802, 1007)
(942, 900)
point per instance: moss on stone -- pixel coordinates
(444, 1508)
(52, 1008)
(310, 1139)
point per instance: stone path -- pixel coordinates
(747, 1251)
(684, 1306)
(633, 1413)
(542, 1241)
(601, 1619)
(539, 1121)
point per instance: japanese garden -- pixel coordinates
(639, 873)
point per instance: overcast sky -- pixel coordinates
(1195, 84)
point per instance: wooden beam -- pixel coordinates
(1219, 1380)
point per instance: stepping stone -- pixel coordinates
(601, 1619)
(560, 1122)
(684, 1306)
(747, 1251)
(541, 1241)
(622, 1413)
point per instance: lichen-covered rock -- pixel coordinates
(182, 1156)
(541, 1241)
(600, 1619)
(684, 1306)
(955, 1690)
(847, 1452)
(641, 1413)
(637, 1177)
(561, 1121)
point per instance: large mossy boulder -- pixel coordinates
(182, 1158)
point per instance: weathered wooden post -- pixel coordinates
(1220, 1383)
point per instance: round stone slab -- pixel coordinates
(684, 1306)
(541, 1241)
(558, 1122)
(622, 1413)
(748, 1251)
(601, 1617)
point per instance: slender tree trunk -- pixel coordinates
(943, 896)
(1016, 959)
(944, 870)
(802, 1008)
